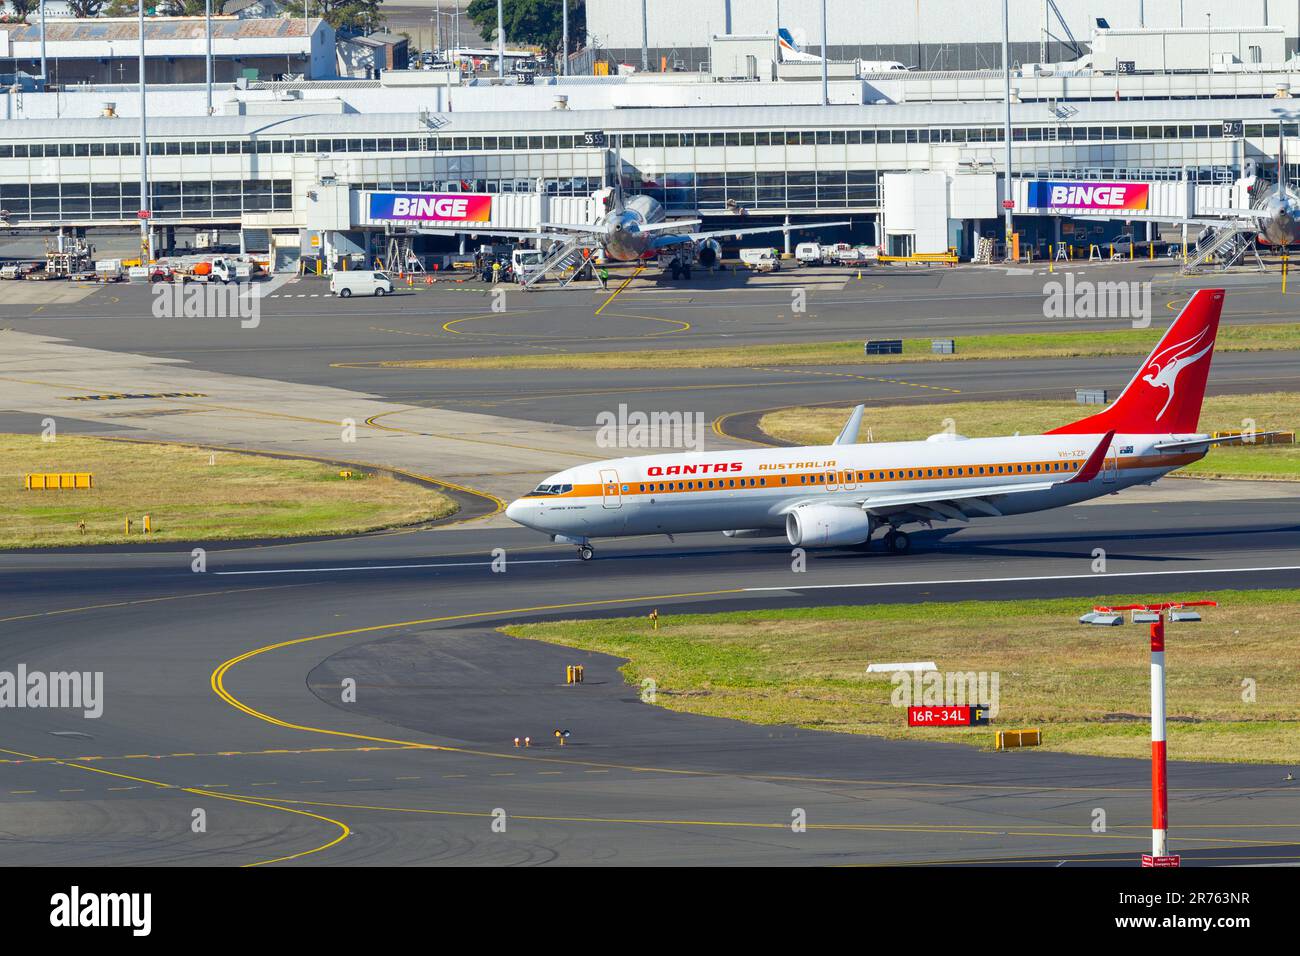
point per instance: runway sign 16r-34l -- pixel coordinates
(974, 715)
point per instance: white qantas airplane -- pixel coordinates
(840, 495)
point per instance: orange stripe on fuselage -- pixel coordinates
(676, 484)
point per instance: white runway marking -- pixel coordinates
(399, 567)
(788, 587)
(1036, 577)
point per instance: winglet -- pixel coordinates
(849, 433)
(1092, 467)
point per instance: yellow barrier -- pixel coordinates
(573, 674)
(1010, 739)
(56, 481)
(949, 257)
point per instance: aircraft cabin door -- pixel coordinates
(1110, 469)
(611, 497)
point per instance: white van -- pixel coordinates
(344, 284)
(760, 260)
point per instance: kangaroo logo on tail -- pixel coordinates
(1163, 367)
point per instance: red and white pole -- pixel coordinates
(1159, 785)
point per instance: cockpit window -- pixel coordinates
(550, 490)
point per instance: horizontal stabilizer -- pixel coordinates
(1193, 442)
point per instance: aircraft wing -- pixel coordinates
(492, 231)
(584, 229)
(677, 239)
(723, 233)
(668, 224)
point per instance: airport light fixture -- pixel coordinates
(1155, 615)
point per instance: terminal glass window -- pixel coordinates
(225, 195)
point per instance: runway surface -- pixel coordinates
(414, 770)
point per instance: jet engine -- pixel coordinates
(828, 526)
(707, 253)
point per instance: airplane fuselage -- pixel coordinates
(1280, 219)
(624, 240)
(756, 491)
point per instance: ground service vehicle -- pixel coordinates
(360, 282)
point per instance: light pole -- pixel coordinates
(45, 77)
(1006, 91)
(826, 96)
(645, 38)
(144, 212)
(501, 43)
(1155, 615)
(564, 41)
(1209, 58)
(207, 25)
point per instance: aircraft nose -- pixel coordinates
(516, 510)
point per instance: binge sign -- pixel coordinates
(425, 207)
(1053, 195)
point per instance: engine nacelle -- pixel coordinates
(755, 533)
(707, 253)
(828, 526)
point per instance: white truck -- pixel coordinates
(760, 260)
(221, 269)
(525, 262)
(109, 270)
(855, 255)
(810, 254)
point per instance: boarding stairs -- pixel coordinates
(1223, 246)
(400, 258)
(567, 255)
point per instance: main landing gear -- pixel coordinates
(897, 542)
(586, 553)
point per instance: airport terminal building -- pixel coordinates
(916, 160)
(269, 176)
